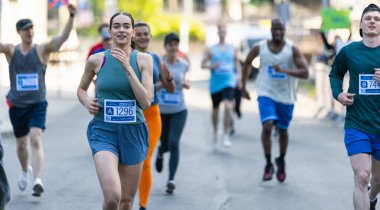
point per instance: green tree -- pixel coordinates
(258, 2)
(141, 9)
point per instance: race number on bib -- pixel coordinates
(368, 85)
(224, 67)
(273, 74)
(26, 82)
(173, 99)
(119, 111)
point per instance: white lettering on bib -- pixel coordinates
(274, 75)
(224, 67)
(119, 111)
(172, 99)
(368, 85)
(27, 82)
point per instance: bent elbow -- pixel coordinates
(146, 105)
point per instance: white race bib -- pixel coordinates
(119, 111)
(26, 82)
(274, 75)
(368, 85)
(172, 99)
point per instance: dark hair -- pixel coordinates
(142, 24)
(139, 24)
(122, 13)
(101, 26)
(369, 8)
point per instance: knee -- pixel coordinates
(174, 147)
(111, 202)
(127, 200)
(21, 144)
(267, 129)
(362, 177)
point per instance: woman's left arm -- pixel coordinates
(143, 90)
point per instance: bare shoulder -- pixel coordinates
(95, 60)
(143, 58)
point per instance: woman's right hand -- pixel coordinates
(92, 106)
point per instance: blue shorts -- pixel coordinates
(357, 142)
(280, 113)
(129, 142)
(23, 119)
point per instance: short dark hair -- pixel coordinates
(170, 37)
(369, 8)
(101, 26)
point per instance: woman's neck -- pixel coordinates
(125, 48)
(143, 49)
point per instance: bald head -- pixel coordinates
(277, 30)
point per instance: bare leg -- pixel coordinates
(228, 110)
(129, 179)
(266, 137)
(361, 166)
(106, 164)
(375, 178)
(37, 152)
(215, 119)
(284, 140)
(22, 152)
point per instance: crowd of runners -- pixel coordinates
(139, 103)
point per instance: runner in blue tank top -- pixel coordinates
(118, 134)
(225, 70)
(27, 95)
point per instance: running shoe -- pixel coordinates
(23, 180)
(170, 187)
(281, 175)
(268, 172)
(38, 188)
(372, 204)
(159, 163)
(142, 208)
(226, 141)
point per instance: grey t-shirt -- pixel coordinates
(171, 103)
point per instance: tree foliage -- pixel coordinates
(141, 9)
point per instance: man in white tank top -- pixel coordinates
(281, 64)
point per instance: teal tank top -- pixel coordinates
(112, 86)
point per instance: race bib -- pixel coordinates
(26, 82)
(120, 111)
(224, 67)
(274, 75)
(368, 85)
(172, 99)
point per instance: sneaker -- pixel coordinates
(281, 175)
(159, 163)
(23, 181)
(226, 141)
(372, 204)
(38, 188)
(268, 172)
(170, 187)
(142, 208)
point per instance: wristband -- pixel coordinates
(169, 79)
(72, 14)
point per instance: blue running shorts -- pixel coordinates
(357, 142)
(129, 142)
(271, 110)
(22, 119)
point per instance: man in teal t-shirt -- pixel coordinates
(362, 126)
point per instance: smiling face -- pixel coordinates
(142, 38)
(278, 31)
(370, 24)
(121, 29)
